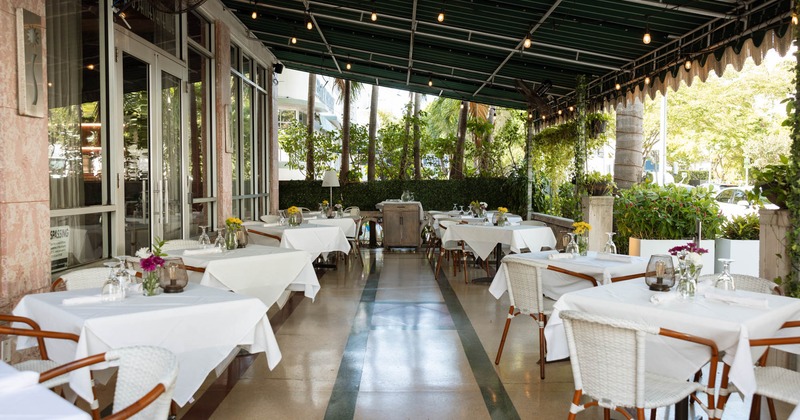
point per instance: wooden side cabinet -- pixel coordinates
(401, 225)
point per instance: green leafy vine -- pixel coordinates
(792, 287)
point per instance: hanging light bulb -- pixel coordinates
(254, 15)
(527, 42)
(617, 86)
(544, 117)
(646, 38)
(294, 40)
(530, 115)
(374, 16)
(794, 18)
(647, 80)
(348, 66)
(687, 64)
(309, 23)
(559, 112)
(440, 18)
(571, 108)
(430, 81)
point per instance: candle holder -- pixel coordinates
(173, 277)
(660, 273)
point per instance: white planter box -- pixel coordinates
(744, 254)
(647, 247)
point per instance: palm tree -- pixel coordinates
(312, 95)
(417, 158)
(347, 90)
(373, 130)
(457, 166)
(630, 139)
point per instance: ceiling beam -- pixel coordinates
(681, 8)
(411, 41)
(519, 45)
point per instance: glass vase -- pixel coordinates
(230, 239)
(583, 244)
(295, 219)
(150, 284)
(242, 237)
(501, 219)
(687, 285)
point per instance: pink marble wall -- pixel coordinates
(24, 186)
(222, 110)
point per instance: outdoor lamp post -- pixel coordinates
(330, 180)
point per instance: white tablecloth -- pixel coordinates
(315, 239)
(729, 326)
(483, 239)
(346, 224)
(34, 401)
(259, 271)
(555, 284)
(202, 326)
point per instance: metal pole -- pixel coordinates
(662, 158)
(529, 162)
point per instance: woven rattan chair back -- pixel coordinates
(525, 286)
(140, 369)
(180, 244)
(86, 278)
(607, 357)
(749, 283)
(532, 223)
(270, 218)
(353, 211)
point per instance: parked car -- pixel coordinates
(733, 202)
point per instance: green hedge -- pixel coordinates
(434, 194)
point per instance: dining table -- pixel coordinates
(347, 224)
(21, 397)
(729, 319)
(260, 271)
(317, 240)
(204, 326)
(484, 238)
(561, 272)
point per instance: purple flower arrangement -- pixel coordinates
(689, 247)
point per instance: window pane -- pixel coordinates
(199, 150)
(247, 140)
(201, 216)
(234, 133)
(198, 29)
(75, 240)
(159, 28)
(74, 117)
(247, 68)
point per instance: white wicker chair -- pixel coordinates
(452, 249)
(532, 223)
(355, 241)
(773, 382)
(608, 365)
(86, 278)
(525, 295)
(749, 283)
(180, 244)
(145, 380)
(352, 211)
(270, 218)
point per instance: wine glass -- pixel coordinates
(219, 242)
(461, 210)
(204, 240)
(725, 280)
(610, 247)
(282, 220)
(455, 207)
(572, 246)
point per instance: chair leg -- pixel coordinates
(541, 351)
(505, 333)
(640, 413)
(653, 414)
(771, 405)
(606, 414)
(723, 385)
(466, 279)
(576, 401)
(755, 407)
(439, 262)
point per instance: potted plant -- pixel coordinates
(772, 182)
(654, 219)
(598, 184)
(739, 242)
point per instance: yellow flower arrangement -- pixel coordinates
(502, 210)
(292, 210)
(233, 223)
(581, 227)
(325, 203)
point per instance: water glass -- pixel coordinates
(112, 290)
(219, 242)
(204, 240)
(610, 247)
(725, 280)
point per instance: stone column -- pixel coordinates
(24, 177)
(599, 213)
(630, 137)
(222, 110)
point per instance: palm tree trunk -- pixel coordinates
(630, 137)
(312, 95)
(404, 154)
(487, 142)
(417, 157)
(457, 166)
(373, 130)
(345, 166)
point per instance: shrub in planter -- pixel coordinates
(598, 184)
(772, 182)
(742, 228)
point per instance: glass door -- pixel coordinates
(151, 162)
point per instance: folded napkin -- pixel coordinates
(202, 251)
(733, 299)
(564, 256)
(18, 380)
(82, 300)
(613, 257)
(271, 224)
(659, 298)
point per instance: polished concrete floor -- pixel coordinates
(385, 340)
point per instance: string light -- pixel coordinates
(617, 86)
(647, 80)
(374, 16)
(440, 18)
(430, 81)
(294, 40)
(647, 38)
(530, 115)
(254, 15)
(309, 23)
(349, 66)
(90, 66)
(559, 112)
(527, 42)
(571, 108)
(794, 18)
(688, 64)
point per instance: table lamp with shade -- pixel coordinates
(330, 179)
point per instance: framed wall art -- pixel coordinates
(30, 64)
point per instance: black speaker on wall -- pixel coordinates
(278, 68)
